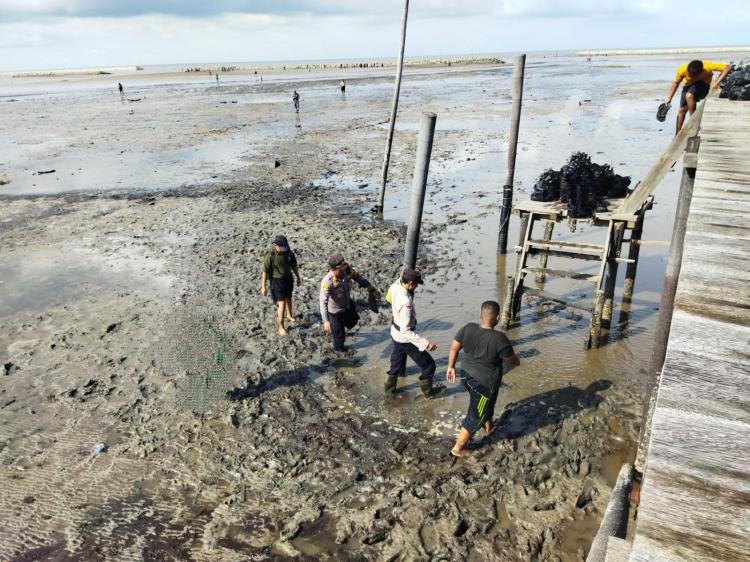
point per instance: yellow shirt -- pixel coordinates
(705, 76)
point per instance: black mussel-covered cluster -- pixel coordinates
(584, 185)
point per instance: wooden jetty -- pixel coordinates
(623, 217)
(695, 498)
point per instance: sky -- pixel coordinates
(52, 34)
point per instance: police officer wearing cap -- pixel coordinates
(336, 306)
(406, 342)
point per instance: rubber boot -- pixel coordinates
(390, 384)
(429, 390)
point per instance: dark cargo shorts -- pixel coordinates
(481, 405)
(699, 90)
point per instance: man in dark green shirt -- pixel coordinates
(485, 352)
(278, 265)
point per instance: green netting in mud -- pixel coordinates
(196, 343)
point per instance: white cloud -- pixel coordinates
(365, 29)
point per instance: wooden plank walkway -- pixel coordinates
(695, 500)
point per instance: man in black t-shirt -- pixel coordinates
(485, 352)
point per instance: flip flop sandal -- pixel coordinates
(661, 113)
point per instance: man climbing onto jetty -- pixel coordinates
(336, 305)
(486, 350)
(698, 77)
(279, 264)
(406, 342)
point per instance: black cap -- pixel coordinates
(282, 242)
(410, 275)
(336, 260)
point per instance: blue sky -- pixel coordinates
(40, 34)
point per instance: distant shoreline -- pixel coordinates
(674, 51)
(219, 68)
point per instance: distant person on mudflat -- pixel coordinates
(698, 78)
(343, 87)
(336, 305)
(406, 342)
(295, 101)
(119, 87)
(486, 351)
(279, 264)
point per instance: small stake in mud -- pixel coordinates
(394, 110)
(515, 121)
(419, 187)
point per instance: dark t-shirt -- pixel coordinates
(484, 350)
(279, 266)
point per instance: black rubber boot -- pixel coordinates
(429, 390)
(390, 385)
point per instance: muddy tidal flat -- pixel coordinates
(131, 234)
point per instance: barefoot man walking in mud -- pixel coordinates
(406, 342)
(486, 350)
(278, 264)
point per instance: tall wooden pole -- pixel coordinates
(515, 122)
(419, 187)
(394, 110)
(674, 259)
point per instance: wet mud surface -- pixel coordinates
(133, 318)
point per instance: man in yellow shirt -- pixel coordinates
(698, 77)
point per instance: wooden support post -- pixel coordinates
(548, 228)
(394, 110)
(510, 284)
(596, 319)
(674, 260)
(634, 250)
(522, 229)
(515, 121)
(611, 275)
(524, 237)
(419, 187)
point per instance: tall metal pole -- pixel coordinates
(419, 187)
(394, 110)
(515, 122)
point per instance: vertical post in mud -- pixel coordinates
(548, 228)
(515, 122)
(634, 250)
(674, 260)
(611, 276)
(419, 187)
(596, 319)
(394, 110)
(510, 283)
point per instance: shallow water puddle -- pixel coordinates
(40, 279)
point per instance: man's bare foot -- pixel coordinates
(289, 320)
(282, 331)
(461, 453)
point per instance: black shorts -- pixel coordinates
(481, 405)
(699, 90)
(281, 288)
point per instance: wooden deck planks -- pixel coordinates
(695, 500)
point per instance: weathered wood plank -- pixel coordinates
(562, 273)
(577, 246)
(667, 159)
(695, 500)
